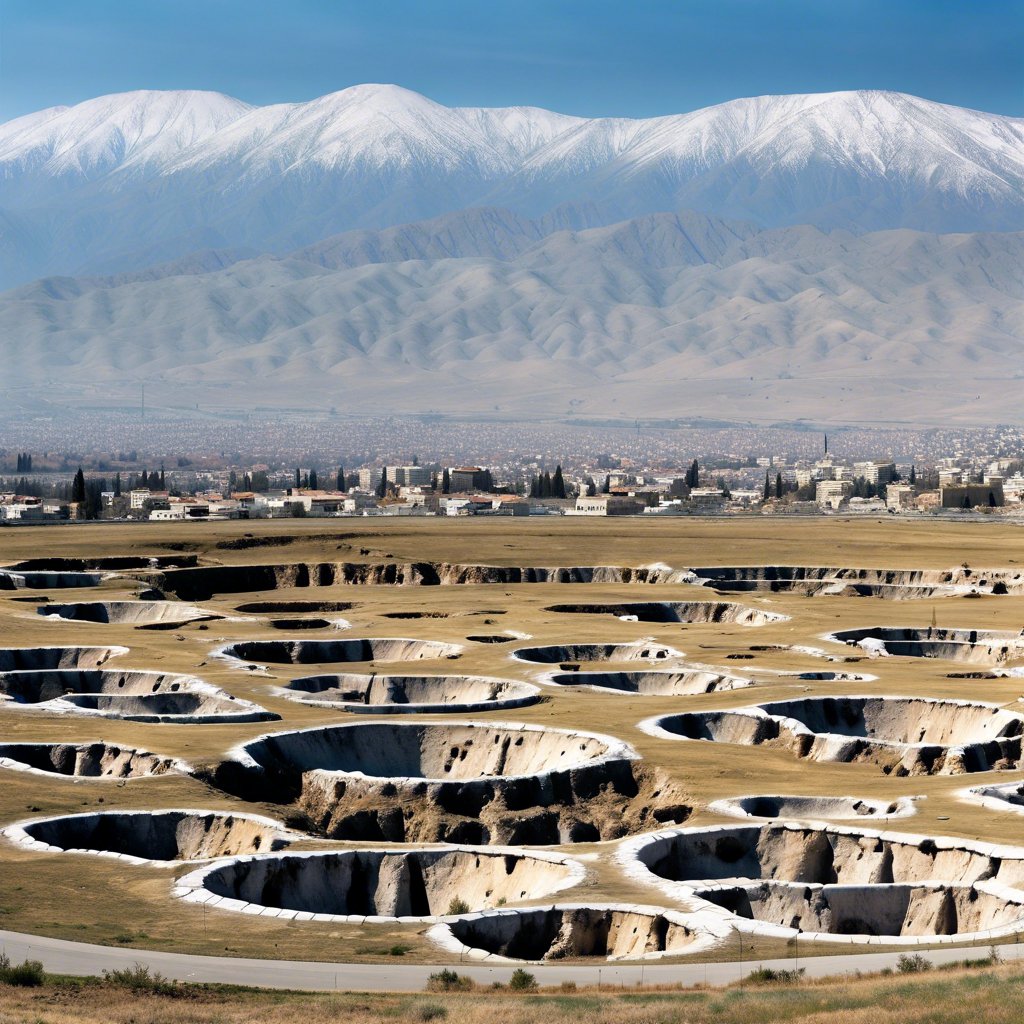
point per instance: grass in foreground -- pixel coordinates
(981, 990)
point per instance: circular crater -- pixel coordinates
(327, 652)
(352, 885)
(133, 695)
(813, 807)
(455, 782)
(570, 931)
(86, 760)
(297, 624)
(567, 654)
(144, 836)
(837, 883)
(904, 735)
(32, 659)
(652, 684)
(676, 611)
(987, 646)
(380, 695)
(135, 613)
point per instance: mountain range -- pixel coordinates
(852, 255)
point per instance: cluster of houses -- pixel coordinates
(828, 485)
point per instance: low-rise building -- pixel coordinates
(607, 505)
(832, 493)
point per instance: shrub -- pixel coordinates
(431, 1011)
(449, 981)
(139, 979)
(912, 964)
(458, 906)
(399, 949)
(29, 974)
(522, 981)
(768, 976)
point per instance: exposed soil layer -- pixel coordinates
(48, 580)
(109, 563)
(676, 611)
(560, 654)
(85, 760)
(377, 694)
(293, 607)
(609, 932)
(130, 694)
(653, 684)
(152, 835)
(813, 807)
(413, 885)
(908, 736)
(327, 652)
(458, 782)
(206, 581)
(894, 584)
(971, 645)
(26, 659)
(127, 612)
(838, 881)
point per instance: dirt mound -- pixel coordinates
(127, 612)
(652, 684)
(414, 885)
(134, 695)
(676, 611)
(837, 883)
(905, 735)
(327, 652)
(571, 931)
(378, 695)
(560, 654)
(86, 760)
(813, 807)
(455, 782)
(151, 835)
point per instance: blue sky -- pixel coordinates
(590, 57)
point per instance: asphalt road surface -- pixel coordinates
(77, 958)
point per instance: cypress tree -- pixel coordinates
(163, 485)
(78, 486)
(913, 475)
(298, 477)
(778, 485)
(446, 482)
(314, 481)
(117, 485)
(382, 487)
(767, 487)
(558, 484)
(339, 479)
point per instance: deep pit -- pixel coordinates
(164, 613)
(166, 836)
(987, 646)
(86, 760)
(138, 696)
(567, 654)
(378, 695)
(34, 659)
(293, 607)
(812, 807)
(415, 885)
(572, 931)
(652, 684)
(455, 782)
(837, 883)
(905, 735)
(893, 584)
(327, 652)
(676, 611)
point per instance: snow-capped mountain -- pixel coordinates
(127, 181)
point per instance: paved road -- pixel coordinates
(79, 958)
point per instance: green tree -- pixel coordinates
(339, 479)
(778, 485)
(78, 486)
(558, 484)
(446, 482)
(767, 487)
(314, 481)
(382, 487)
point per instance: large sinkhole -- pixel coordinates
(653, 684)
(130, 694)
(986, 646)
(837, 881)
(134, 613)
(408, 885)
(456, 782)
(558, 654)
(85, 760)
(676, 611)
(326, 652)
(904, 735)
(380, 694)
(173, 835)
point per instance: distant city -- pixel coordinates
(176, 469)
